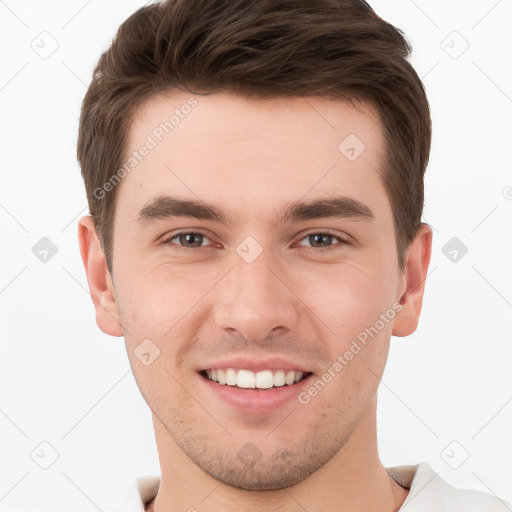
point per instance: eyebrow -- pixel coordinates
(164, 207)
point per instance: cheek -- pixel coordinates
(349, 299)
(352, 302)
(159, 385)
(157, 313)
(153, 302)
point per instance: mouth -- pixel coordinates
(263, 380)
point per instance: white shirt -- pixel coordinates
(428, 492)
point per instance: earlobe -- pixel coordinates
(98, 277)
(418, 259)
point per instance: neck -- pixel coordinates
(353, 480)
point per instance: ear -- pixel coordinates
(99, 279)
(414, 275)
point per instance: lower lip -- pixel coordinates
(256, 400)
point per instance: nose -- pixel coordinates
(256, 300)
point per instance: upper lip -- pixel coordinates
(254, 364)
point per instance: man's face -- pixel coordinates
(257, 291)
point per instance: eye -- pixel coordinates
(186, 240)
(323, 237)
(320, 241)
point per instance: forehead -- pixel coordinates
(254, 154)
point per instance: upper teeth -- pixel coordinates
(247, 379)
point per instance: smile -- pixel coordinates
(247, 379)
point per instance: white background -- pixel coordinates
(64, 382)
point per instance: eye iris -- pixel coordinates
(317, 236)
(184, 238)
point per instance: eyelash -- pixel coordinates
(180, 248)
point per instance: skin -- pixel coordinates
(250, 158)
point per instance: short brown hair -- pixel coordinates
(258, 48)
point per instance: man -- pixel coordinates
(254, 171)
